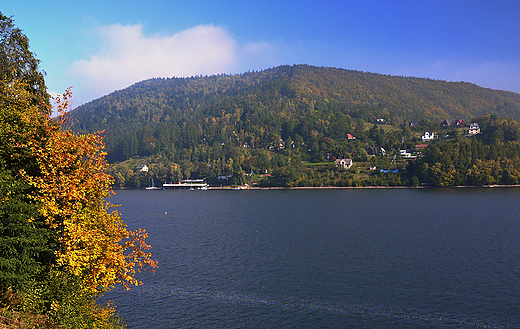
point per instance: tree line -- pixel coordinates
(454, 158)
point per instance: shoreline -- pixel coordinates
(331, 187)
(361, 187)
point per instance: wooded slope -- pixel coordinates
(281, 102)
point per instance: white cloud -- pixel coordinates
(127, 56)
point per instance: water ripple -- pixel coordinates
(345, 308)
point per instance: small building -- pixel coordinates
(474, 128)
(281, 144)
(445, 123)
(350, 136)
(344, 163)
(428, 136)
(405, 154)
(143, 168)
(459, 123)
(414, 123)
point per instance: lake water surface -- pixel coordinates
(326, 258)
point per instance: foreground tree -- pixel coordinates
(72, 188)
(25, 241)
(61, 242)
(17, 62)
(56, 224)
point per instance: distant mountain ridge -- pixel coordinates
(285, 99)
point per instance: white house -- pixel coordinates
(344, 163)
(428, 136)
(405, 154)
(474, 128)
(143, 168)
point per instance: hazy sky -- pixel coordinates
(101, 46)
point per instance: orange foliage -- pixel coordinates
(72, 188)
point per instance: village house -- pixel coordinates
(428, 136)
(405, 154)
(474, 128)
(281, 144)
(350, 136)
(143, 168)
(344, 163)
(445, 123)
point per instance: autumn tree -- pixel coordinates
(72, 187)
(61, 242)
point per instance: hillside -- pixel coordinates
(285, 127)
(285, 100)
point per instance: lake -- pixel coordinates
(326, 258)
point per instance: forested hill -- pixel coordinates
(281, 102)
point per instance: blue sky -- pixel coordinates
(101, 46)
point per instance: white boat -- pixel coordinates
(187, 184)
(153, 186)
